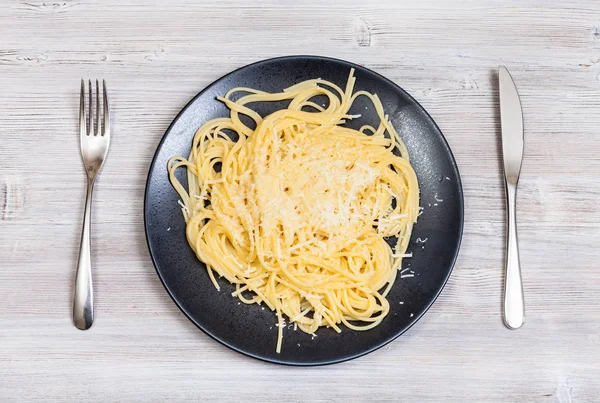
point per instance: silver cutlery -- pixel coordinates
(94, 141)
(511, 119)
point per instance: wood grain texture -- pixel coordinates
(155, 55)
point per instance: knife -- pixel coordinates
(511, 119)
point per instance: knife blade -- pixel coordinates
(511, 120)
(511, 116)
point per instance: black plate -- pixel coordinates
(248, 328)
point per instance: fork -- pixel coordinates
(94, 147)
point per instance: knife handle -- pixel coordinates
(514, 305)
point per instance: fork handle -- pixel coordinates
(83, 301)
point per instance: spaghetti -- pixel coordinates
(296, 211)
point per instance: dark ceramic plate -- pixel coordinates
(248, 328)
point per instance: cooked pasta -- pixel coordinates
(295, 210)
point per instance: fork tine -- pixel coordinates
(97, 109)
(91, 111)
(106, 123)
(82, 129)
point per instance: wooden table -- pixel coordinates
(157, 55)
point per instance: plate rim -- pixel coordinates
(329, 361)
